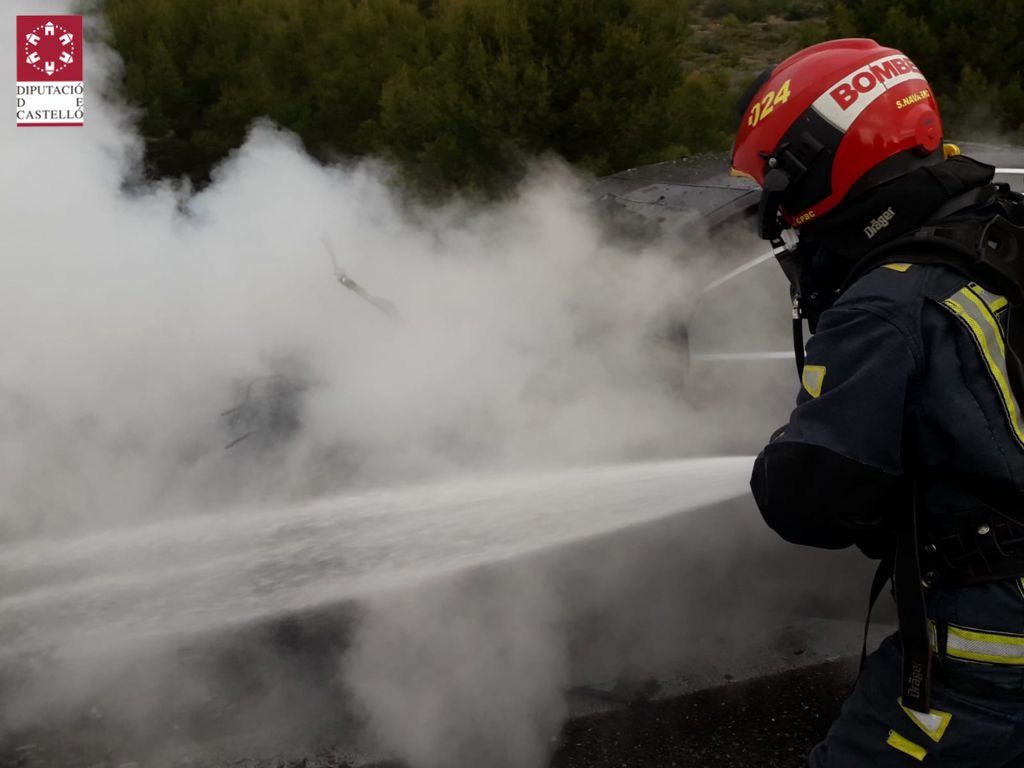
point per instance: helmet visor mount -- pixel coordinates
(769, 220)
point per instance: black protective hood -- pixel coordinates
(830, 249)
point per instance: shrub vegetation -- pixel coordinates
(971, 52)
(460, 94)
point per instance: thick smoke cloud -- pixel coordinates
(137, 315)
(140, 315)
(470, 672)
(523, 337)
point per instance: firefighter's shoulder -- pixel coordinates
(903, 284)
(894, 288)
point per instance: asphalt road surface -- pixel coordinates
(767, 722)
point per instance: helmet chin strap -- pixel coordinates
(783, 241)
(786, 255)
(783, 246)
(798, 336)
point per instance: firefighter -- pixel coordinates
(907, 439)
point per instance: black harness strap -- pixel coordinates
(883, 573)
(904, 567)
(913, 617)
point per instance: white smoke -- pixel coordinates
(524, 337)
(471, 672)
(137, 313)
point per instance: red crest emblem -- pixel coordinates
(49, 48)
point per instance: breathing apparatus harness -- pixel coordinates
(829, 255)
(978, 232)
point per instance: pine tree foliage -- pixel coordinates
(971, 52)
(461, 94)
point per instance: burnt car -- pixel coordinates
(735, 335)
(728, 345)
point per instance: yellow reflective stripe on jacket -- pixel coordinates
(813, 379)
(969, 307)
(990, 647)
(968, 644)
(906, 746)
(897, 267)
(992, 300)
(933, 724)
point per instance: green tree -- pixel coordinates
(461, 94)
(972, 53)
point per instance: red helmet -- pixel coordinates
(835, 118)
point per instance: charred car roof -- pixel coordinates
(701, 188)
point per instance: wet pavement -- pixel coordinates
(767, 722)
